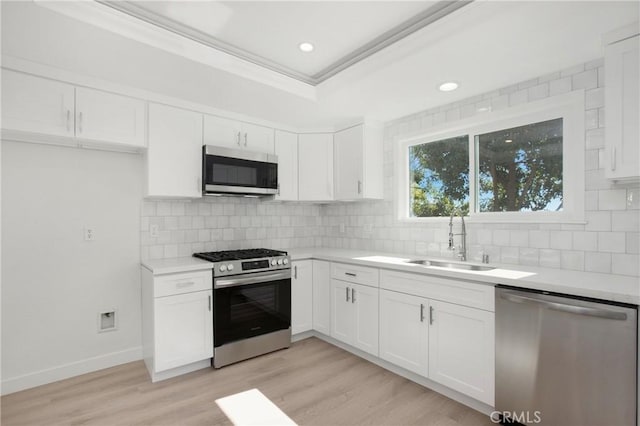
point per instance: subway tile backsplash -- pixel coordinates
(609, 242)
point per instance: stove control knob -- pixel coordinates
(273, 262)
(279, 261)
(285, 261)
(223, 268)
(230, 267)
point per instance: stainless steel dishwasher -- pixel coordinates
(564, 360)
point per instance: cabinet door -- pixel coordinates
(404, 331)
(109, 117)
(342, 320)
(220, 131)
(37, 105)
(348, 163)
(622, 98)
(183, 329)
(301, 296)
(257, 138)
(174, 157)
(315, 167)
(322, 296)
(286, 148)
(365, 329)
(461, 350)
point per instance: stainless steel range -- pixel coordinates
(252, 303)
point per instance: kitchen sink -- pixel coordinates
(450, 265)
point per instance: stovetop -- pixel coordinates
(235, 262)
(227, 255)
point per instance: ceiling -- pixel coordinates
(268, 33)
(484, 45)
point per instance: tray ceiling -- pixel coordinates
(268, 33)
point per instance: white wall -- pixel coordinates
(609, 242)
(53, 282)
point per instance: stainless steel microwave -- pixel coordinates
(228, 171)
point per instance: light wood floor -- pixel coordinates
(313, 382)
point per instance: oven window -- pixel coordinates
(251, 310)
(229, 171)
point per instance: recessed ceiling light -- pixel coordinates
(448, 86)
(306, 47)
(508, 141)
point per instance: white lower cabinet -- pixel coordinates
(301, 296)
(354, 315)
(322, 296)
(404, 331)
(461, 349)
(177, 322)
(184, 329)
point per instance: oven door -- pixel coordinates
(238, 172)
(250, 305)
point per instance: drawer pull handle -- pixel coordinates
(351, 274)
(185, 284)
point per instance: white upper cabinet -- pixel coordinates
(286, 145)
(315, 167)
(622, 96)
(174, 156)
(358, 163)
(228, 133)
(38, 105)
(111, 118)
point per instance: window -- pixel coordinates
(520, 169)
(517, 165)
(439, 177)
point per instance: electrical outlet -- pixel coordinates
(154, 230)
(342, 230)
(89, 234)
(107, 320)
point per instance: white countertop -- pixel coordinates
(615, 288)
(177, 264)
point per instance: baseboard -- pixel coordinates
(73, 369)
(443, 390)
(302, 336)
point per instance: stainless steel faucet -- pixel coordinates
(462, 252)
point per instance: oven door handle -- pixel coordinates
(253, 279)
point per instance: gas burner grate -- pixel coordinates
(222, 256)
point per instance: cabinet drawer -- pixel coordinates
(355, 274)
(188, 282)
(447, 290)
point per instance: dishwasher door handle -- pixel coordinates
(563, 307)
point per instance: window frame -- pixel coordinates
(569, 107)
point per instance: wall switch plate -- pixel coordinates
(154, 230)
(89, 234)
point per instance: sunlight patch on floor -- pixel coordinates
(252, 408)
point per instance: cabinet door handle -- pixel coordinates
(351, 274)
(347, 288)
(238, 138)
(421, 312)
(295, 272)
(209, 303)
(80, 122)
(613, 159)
(68, 120)
(353, 295)
(359, 187)
(185, 284)
(430, 315)
(245, 139)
